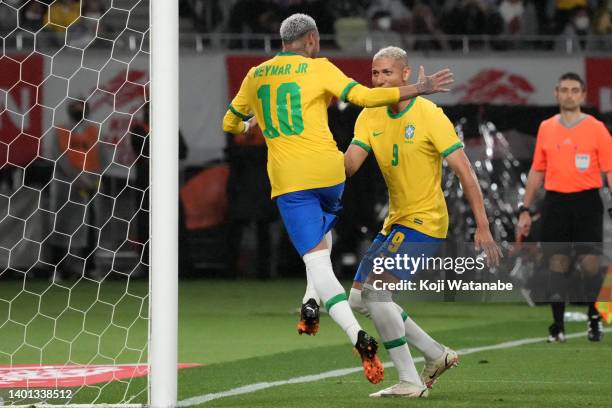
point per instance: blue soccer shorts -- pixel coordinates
(310, 214)
(400, 241)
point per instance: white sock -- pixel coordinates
(357, 303)
(404, 364)
(391, 329)
(321, 275)
(311, 293)
(417, 337)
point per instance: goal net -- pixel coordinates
(74, 202)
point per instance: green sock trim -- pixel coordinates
(404, 315)
(395, 343)
(336, 299)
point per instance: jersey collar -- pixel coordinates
(288, 53)
(402, 112)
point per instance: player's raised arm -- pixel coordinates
(348, 90)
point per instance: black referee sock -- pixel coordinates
(558, 310)
(592, 286)
(592, 312)
(557, 286)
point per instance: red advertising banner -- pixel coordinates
(20, 108)
(599, 83)
(44, 376)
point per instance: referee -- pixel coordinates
(572, 150)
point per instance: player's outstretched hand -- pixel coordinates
(483, 240)
(438, 82)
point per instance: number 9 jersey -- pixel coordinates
(289, 95)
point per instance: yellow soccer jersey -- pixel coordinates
(289, 94)
(409, 148)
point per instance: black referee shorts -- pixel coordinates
(575, 218)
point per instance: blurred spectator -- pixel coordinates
(564, 10)
(61, 14)
(93, 8)
(248, 191)
(253, 17)
(577, 28)
(65, 16)
(401, 16)
(140, 133)
(77, 166)
(602, 19)
(206, 14)
(351, 33)
(380, 32)
(424, 22)
(472, 17)
(349, 8)
(139, 138)
(466, 17)
(512, 13)
(32, 16)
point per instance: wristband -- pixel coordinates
(522, 209)
(246, 126)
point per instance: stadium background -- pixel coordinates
(506, 64)
(504, 81)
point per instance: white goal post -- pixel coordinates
(163, 327)
(89, 196)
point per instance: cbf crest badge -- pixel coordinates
(409, 133)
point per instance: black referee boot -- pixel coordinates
(595, 332)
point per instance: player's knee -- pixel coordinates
(559, 263)
(590, 265)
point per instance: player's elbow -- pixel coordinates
(367, 100)
(230, 129)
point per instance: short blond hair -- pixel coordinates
(296, 26)
(395, 53)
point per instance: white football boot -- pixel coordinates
(403, 389)
(433, 369)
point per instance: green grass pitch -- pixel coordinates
(243, 332)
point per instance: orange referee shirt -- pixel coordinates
(572, 158)
(81, 148)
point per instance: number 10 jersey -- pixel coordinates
(289, 94)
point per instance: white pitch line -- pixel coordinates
(247, 389)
